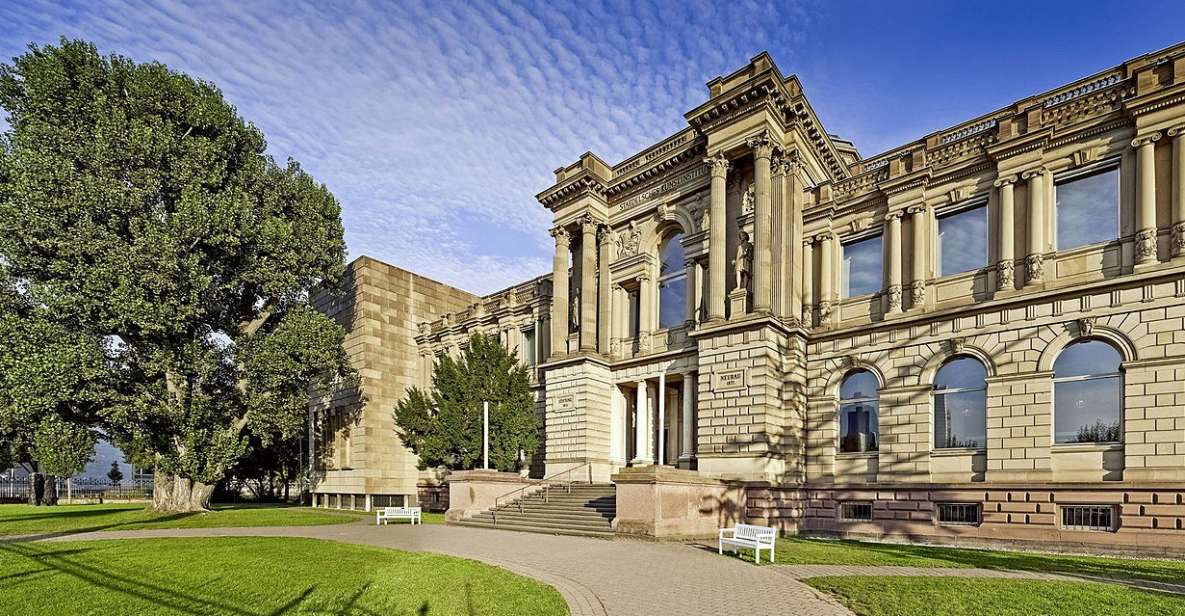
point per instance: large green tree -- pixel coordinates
(444, 425)
(141, 210)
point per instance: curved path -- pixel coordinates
(595, 576)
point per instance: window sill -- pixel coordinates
(957, 451)
(857, 455)
(1085, 447)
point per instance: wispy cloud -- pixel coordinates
(435, 123)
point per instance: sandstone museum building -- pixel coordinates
(976, 336)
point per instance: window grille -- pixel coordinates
(959, 513)
(855, 512)
(1088, 517)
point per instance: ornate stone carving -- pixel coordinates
(587, 224)
(1086, 326)
(1145, 244)
(762, 144)
(1035, 267)
(1150, 138)
(718, 163)
(824, 311)
(425, 328)
(628, 241)
(615, 347)
(917, 292)
(664, 212)
(960, 193)
(1179, 239)
(743, 263)
(1004, 181)
(1005, 271)
(859, 224)
(895, 294)
(808, 316)
(1088, 155)
(574, 312)
(748, 198)
(606, 235)
(956, 345)
(562, 237)
(705, 218)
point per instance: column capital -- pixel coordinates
(1176, 131)
(826, 236)
(719, 163)
(762, 144)
(1033, 173)
(604, 235)
(588, 224)
(920, 208)
(1005, 180)
(561, 235)
(1146, 139)
(894, 216)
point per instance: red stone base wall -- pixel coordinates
(1149, 519)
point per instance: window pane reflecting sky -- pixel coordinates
(862, 272)
(962, 241)
(1088, 210)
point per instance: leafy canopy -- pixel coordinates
(138, 209)
(444, 426)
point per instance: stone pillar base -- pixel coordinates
(738, 300)
(472, 492)
(661, 502)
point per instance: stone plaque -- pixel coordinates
(729, 379)
(564, 403)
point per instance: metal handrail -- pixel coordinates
(546, 482)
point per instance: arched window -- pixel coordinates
(960, 404)
(1088, 394)
(859, 412)
(672, 284)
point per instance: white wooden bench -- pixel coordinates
(756, 538)
(384, 515)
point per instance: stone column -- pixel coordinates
(1035, 256)
(692, 287)
(921, 240)
(559, 292)
(1145, 197)
(1178, 135)
(795, 276)
(661, 450)
(894, 289)
(641, 427)
(604, 292)
(808, 282)
(686, 445)
(1006, 266)
(645, 311)
(588, 284)
(762, 224)
(717, 242)
(825, 282)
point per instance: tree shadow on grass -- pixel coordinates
(90, 529)
(181, 598)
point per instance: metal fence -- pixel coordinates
(16, 490)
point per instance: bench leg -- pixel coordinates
(720, 548)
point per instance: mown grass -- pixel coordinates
(798, 551)
(29, 520)
(946, 596)
(255, 576)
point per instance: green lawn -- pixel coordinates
(29, 520)
(925, 596)
(255, 576)
(796, 551)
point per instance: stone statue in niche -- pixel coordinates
(705, 220)
(743, 263)
(628, 241)
(747, 199)
(574, 312)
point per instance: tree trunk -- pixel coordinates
(178, 494)
(36, 488)
(51, 491)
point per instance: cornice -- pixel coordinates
(1156, 100)
(583, 185)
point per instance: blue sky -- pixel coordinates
(436, 123)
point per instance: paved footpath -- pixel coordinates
(595, 576)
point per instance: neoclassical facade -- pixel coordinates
(980, 333)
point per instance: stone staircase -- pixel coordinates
(588, 509)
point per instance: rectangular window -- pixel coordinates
(529, 347)
(958, 513)
(1087, 208)
(855, 512)
(635, 323)
(862, 269)
(962, 241)
(1088, 517)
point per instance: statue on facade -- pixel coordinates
(743, 263)
(747, 199)
(629, 240)
(574, 312)
(705, 219)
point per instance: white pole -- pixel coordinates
(485, 434)
(662, 416)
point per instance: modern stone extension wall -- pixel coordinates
(1148, 518)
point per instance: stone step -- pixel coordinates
(557, 510)
(531, 528)
(566, 518)
(598, 526)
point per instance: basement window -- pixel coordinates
(959, 514)
(1088, 517)
(855, 512)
